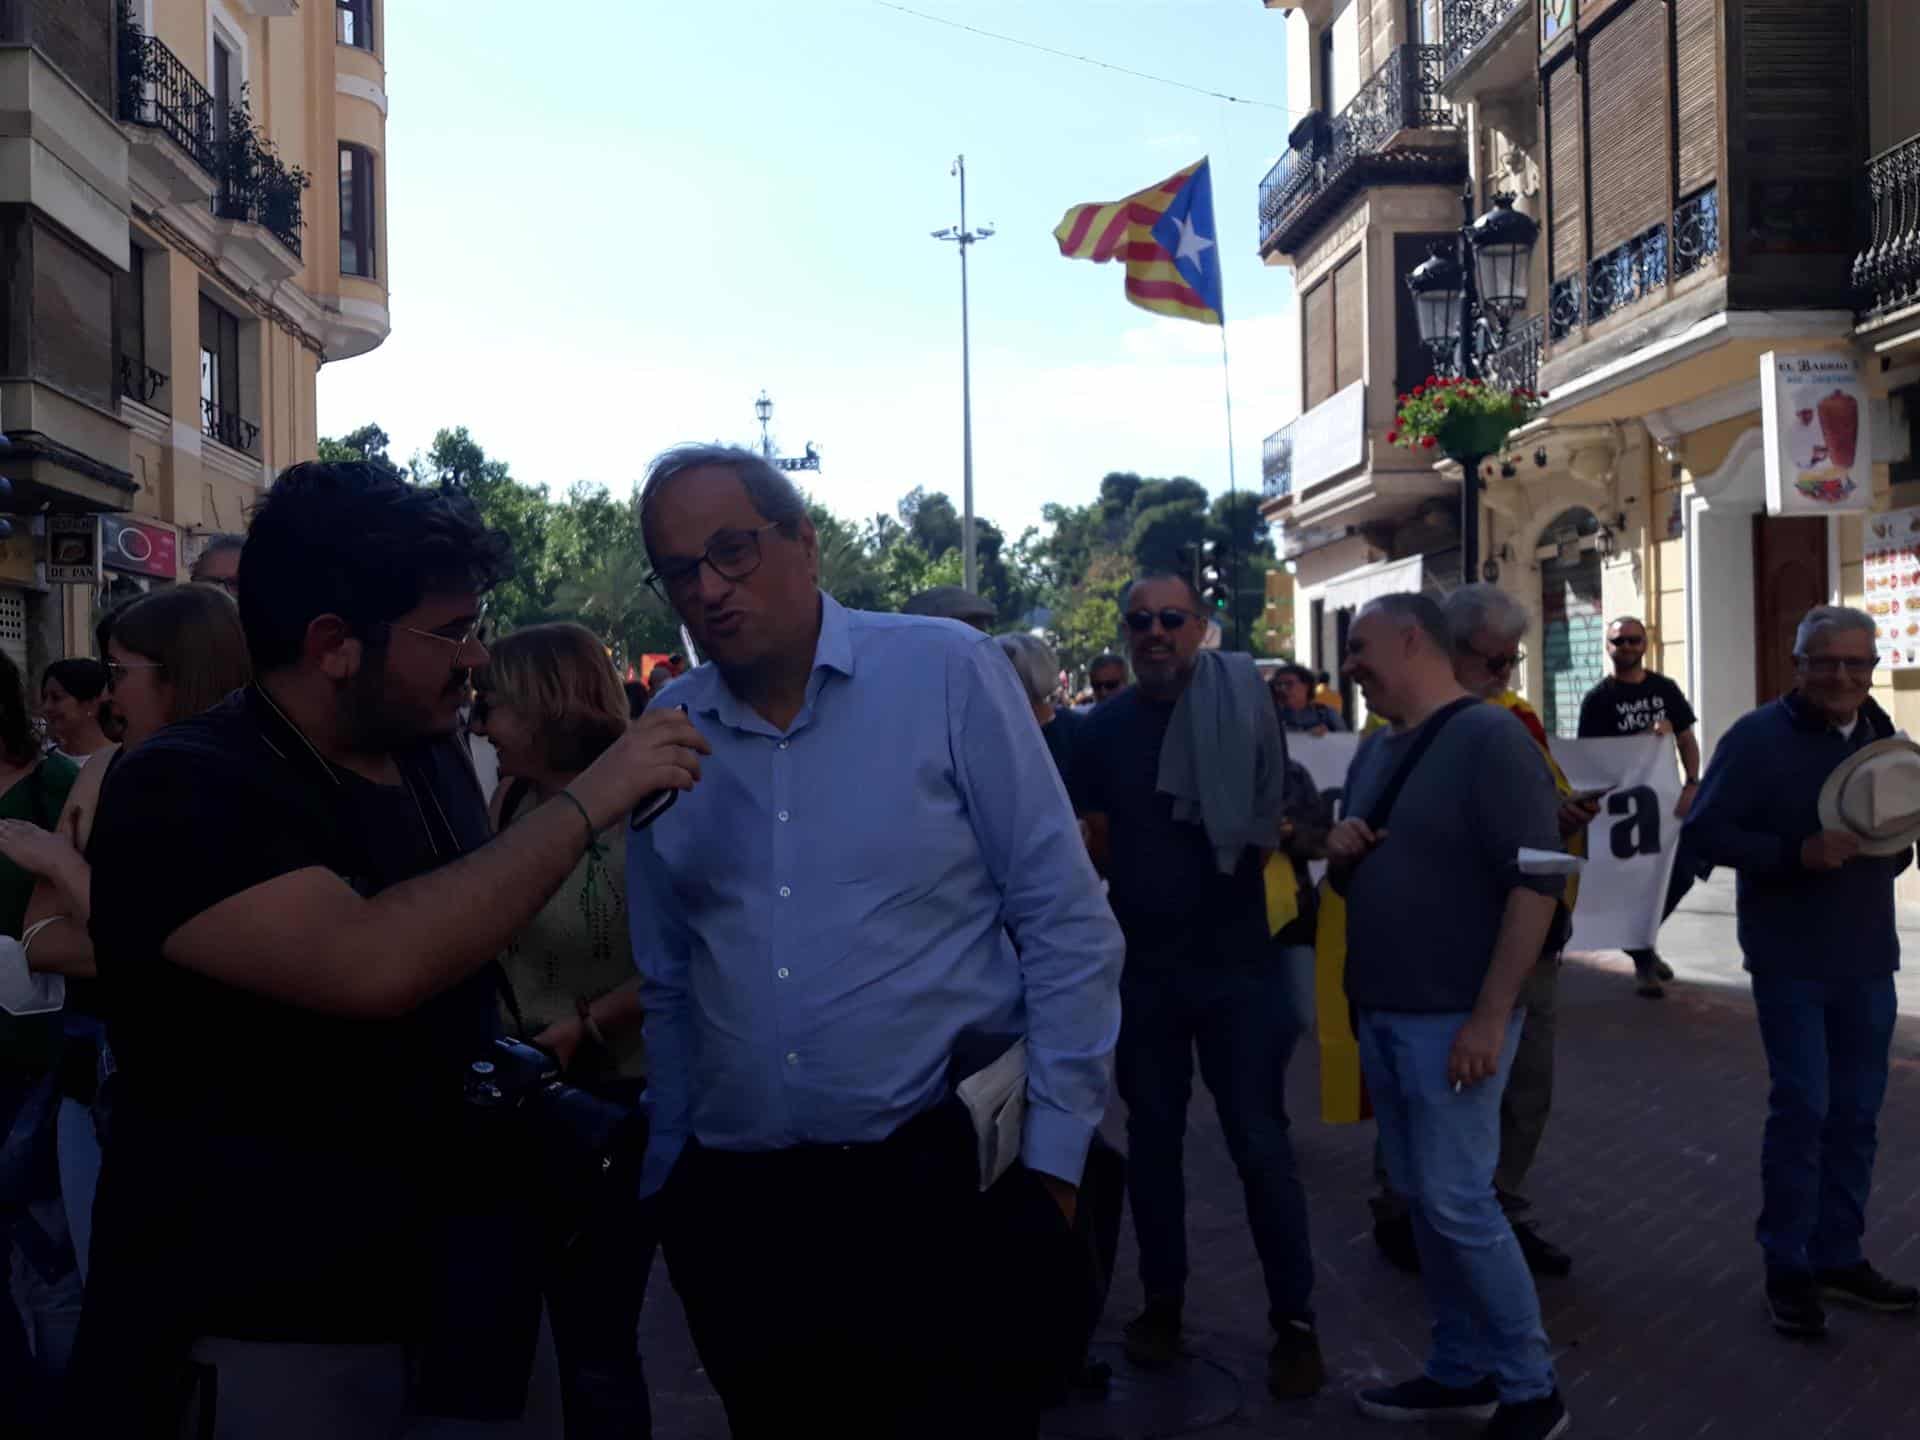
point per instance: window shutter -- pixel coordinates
(1627, 100)
(1349, 323)
(1317, 333)
(1566, 181)
(1697, 72)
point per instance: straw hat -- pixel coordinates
(1875, 794)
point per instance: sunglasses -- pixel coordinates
(1498, 664)
(1141, 621)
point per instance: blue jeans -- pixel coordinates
(1243, 1020)
(1827, 1043)
(1441, 1149)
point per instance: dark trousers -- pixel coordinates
(1176, 999)
(1827, 1044)
(872, 1291)
(594, 1293)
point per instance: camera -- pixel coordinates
(582, 1146)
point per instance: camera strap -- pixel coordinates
(1422, 742)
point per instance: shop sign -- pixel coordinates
(73, 550)
(18, 552)
(139, 548)
(1819, 446)
(1331, 438)
(1891, 555)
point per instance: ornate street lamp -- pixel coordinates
(1480, 288)
(763, 407)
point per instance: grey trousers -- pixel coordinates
(327, 1392)
(1524, 1106)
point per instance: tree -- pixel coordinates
(369, 443)
(1086, 622)
(848, 569)
(456, 459)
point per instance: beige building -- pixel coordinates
(192, 206)
(1714, 179)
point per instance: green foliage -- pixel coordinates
(369, 443)
(1461, 418)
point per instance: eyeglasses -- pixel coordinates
(1141, 621)
(117, 670)
(733, 555)
(1620, 640)
(477, 631)
(1828, 666)
(1496, 664)
(1107, 687)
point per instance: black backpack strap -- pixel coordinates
(1429, 732)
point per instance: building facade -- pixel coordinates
(1714, 180)
(192, 213)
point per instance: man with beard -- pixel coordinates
(878, 890)
(1201, 975)
(296, 908)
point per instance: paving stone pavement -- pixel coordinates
(1649, 1176)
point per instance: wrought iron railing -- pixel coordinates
(1276, 464)
(1887, 272)
(1516, 362)
(228, 428)
(140, 382)
(1403, 94)
(1643, 265)
(257, 186)
(160, 93)
(1466, 24)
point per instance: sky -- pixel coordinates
(608, 236)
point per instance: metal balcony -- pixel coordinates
(228, 428)
(1367, 143)
(1887, 272)
(257, 187)
(1516, 364)
(1471, 30)
(1276, 465)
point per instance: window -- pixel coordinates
(130, 329)
(356, 211)
(353, 23)
(220, 375)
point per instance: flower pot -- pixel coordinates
(1462, 435)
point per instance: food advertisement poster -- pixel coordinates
(1892, 554)
(1819, 455)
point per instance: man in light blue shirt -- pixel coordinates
(880, 865)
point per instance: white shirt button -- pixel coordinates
(783, 815)
(793, 1057)
(783, 972)
(786, 891)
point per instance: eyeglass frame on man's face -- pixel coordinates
(1498, 664)
(677, 573)
(1105, 687)
(1623, 638)
(474, 634)
(1170, 618)
(1829, 667)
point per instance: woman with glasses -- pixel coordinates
(1293, 702)
(170, 655)
(73, 702)
(550, 704)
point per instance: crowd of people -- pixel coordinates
(342, 1098)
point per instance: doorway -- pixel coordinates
(1789, 579)
(1572, 627)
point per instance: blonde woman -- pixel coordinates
(550, 703)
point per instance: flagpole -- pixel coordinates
(1233, 539)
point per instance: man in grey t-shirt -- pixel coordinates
(1443, 927)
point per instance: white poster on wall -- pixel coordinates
(1891, 552)
(1813, 408)
(1630, 845)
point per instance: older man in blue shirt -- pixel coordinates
(880, 868)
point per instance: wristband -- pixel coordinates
(585, 819)
(27, 939)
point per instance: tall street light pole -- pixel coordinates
(964, 238)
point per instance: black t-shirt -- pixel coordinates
(1613, 707)
(1163, 881)
(270, 1167)
(1062, 733)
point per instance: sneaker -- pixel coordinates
(1153, 1336)
(1543, 1256)
(1865, 1287)
(1662, 970)
(1646, 973)
(1542, 1419)
(1295, 1368)
(1394, 1235)
(1424, 1399)
(1793, 1300)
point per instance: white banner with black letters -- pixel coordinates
(1630, 845)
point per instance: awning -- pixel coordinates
(1370, 582)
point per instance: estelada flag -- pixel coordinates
(1165, 234)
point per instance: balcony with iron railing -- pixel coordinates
(1474, 32)
(256, 187)
(1515, 361)
(1887, 273)
(1397, 130)
(1276, 465)
(1646, 265)
(226, 426)
(139, 381)
(159, 93)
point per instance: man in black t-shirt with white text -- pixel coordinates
(1634, 701)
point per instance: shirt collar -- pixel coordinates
(832, 652)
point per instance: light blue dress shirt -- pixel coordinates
(831, 906)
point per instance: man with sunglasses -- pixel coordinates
(878, 886)
(1201, 976)
(1106, 677)
(1637, 701)
(296, 909)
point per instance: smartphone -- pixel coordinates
(653, 806)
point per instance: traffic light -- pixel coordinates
(1213, 580)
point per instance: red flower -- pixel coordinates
(1393, 437)
(1418, 391)
(1433, 379)
(1541, 396)
(1427, 442)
